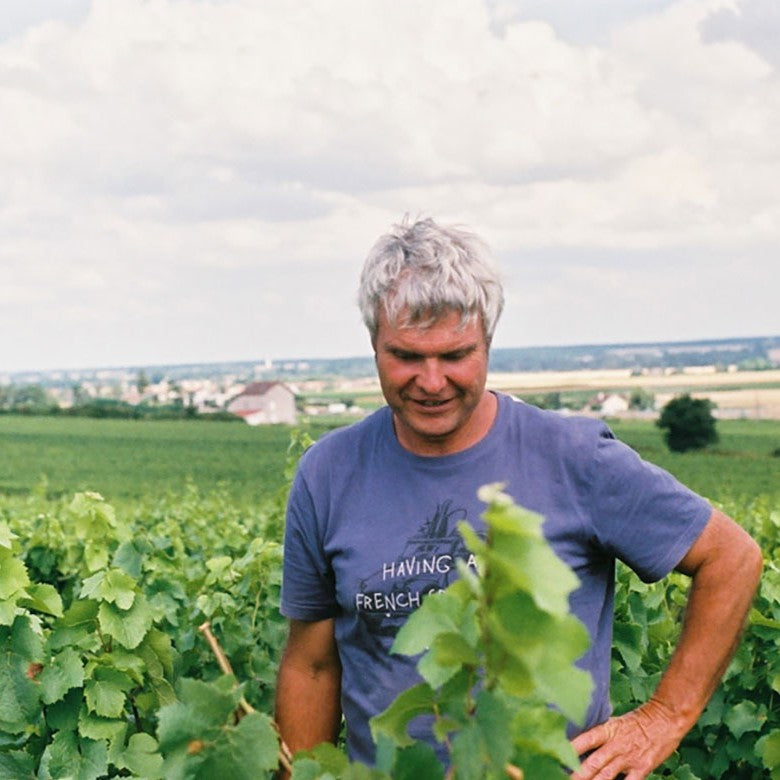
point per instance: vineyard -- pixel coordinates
(107, 603)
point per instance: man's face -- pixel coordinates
(433, 378)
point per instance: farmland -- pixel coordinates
(130, 459)
(754, 394)
(127, 460)
(124, 684)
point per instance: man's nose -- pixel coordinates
(431, 378)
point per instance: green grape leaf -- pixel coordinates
(91, 514)
(129, 626)
(113, 586)
(308, 769)
(744, 717)
(445, 622)
(7, 536)
(65, 671)
(537, 651)
(560, 682)
(142, 758)
(492, 718)
(13, 575)
(417, 700)
(19, 703)
(629, 640)
(322, 758)
(543, 731)
(105, 694)
(25, 640)
(8, 611)
(438, 613)
(78, 627)
(129, 558)
(78, 759)
(535, 766)
(768, 747)
(157, 653)
(520, 556)
(95, 555)
(198, 714)
(17, 764)
(42, 597)
(131, 663)
(417, 761)
(452, 649)
(244, 752)
(97, 727)
(449, 653)
(468, 757)
(63, 715)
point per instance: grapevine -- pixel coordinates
(106, 670)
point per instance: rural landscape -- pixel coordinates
(204, 203)
(140, 548)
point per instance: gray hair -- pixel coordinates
(429, 270)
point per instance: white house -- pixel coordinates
(262, 403)
(614, 404)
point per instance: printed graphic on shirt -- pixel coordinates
(425, 564)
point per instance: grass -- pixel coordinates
(131, 459)
(741, 465)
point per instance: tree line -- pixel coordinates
(36, 400)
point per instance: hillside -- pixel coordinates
(760, 352)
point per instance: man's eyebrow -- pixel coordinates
(466, 349)
(402, 352)
(462, 351)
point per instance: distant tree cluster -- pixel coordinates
(641, 400)
(688, 423)
(26, 399)
(35, 400)
(105, 408)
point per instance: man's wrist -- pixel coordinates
(679, 717)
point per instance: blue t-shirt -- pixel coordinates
(371, 528)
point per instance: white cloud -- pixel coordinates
(181, 159)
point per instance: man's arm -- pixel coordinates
(308, 691)
(725, 566)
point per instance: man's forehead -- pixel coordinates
(428, 319)
(444, 333)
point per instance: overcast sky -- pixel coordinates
(200, 180)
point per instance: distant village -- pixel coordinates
(633, 380)
(256, 402)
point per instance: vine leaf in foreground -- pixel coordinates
(497, 652)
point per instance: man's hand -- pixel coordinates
(725, 566)
(635, 744)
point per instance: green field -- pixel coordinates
(131, 459)
(743, 464)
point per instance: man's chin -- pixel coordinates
(432, 430)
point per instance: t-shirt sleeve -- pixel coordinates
(641, 513)
(308, 591)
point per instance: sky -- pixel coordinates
(193, 181)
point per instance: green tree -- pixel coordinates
(26, 398)
(688, 423)
(641, 399)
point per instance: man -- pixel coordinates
(373, 509)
